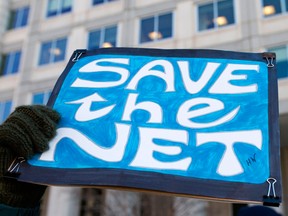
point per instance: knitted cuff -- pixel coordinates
(44, 117)
(28, 129)
(13, 193)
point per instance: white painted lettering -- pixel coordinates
(113, 154)
(147, 70)
(184, 114)
(194, 87)
(85, 114)
(93, 67)
(154, 109)
(229, 164)
(144, 157)
(223, 84)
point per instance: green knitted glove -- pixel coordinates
(26, 131)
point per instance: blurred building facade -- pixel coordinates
(38, 37)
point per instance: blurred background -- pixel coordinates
(39, 36)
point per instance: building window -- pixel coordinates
(273, 7)
(156, 28)
(52, 51)
(104, 37)
(5, 109)
(41, 97)
(282, 60)
(96, 2)
(18, 18)
(57, 7)
(215, 14)
(10, 63)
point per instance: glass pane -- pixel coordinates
(17, 21)
(18, 18)
(286, 4)
(16, 62)
(1, 65)
(53, 6)
(66, 6)
(41, 97)
(25, 15)
(225, 13)
(110, 37)
(94, 40)
(37, 99)
(147, 30)
(206, 17)
(5, 109)
(165, 26)
(282, 61)
(282, 71)
(11, 62)
(98, 2)
(271, 7)
(46, 96)
(59, 50)
(12, 21)
(45, 53)
(6, 59)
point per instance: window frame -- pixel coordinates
(59, 10)
(283, 8)
(270, 49)
(102, 37)
(45, 95)
(51, 45)
(214, 16)
(156, 27)
(10, 63)
(103, 2)
(19, 18)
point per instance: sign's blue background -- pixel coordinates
(252, 115)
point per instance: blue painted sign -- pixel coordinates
(193, 117)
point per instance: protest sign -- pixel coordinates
(201, 123)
